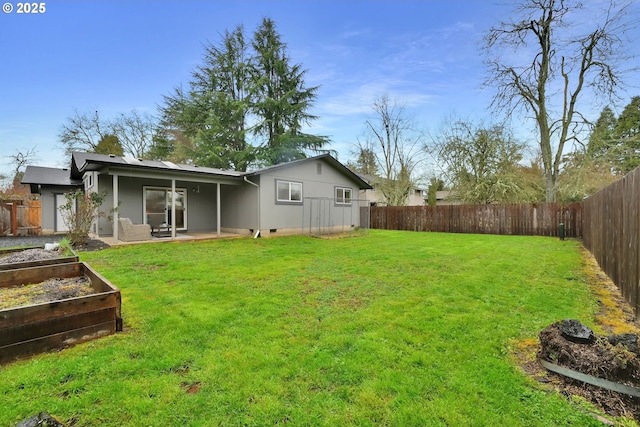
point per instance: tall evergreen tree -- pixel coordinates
(246, 104)
(365, 162)
(109, 144)
(628, 125)
(213, 112)
(616, 142)
(282, 101)
(602, 135)
(627, 131)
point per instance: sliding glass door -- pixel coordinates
(158, 202)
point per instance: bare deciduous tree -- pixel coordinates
(135, 132)
(19, 160)
(395, 142)
(558, 70)
(85, 131)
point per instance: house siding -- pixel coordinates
(201, 205)
(290, 218)
(48, 206)
(240, 214)
(105, 226)
(244, 206)
(47, 210)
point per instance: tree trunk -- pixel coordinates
(550, 190)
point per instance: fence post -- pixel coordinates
(14, 218)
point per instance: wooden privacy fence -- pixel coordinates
(611, 232)
(540, 219)
(20, 218)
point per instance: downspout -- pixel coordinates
(218, 209)
(258, 192)
(116, 214)
(173, 209)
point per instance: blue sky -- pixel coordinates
(116, 56)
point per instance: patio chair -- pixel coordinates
(130, 232)
(157, 223)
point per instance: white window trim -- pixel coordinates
(342, 201)
(288, 201)
(155, 187)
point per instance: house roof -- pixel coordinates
(83, 162)
(372, 179)
(52, 176)
(326, 157)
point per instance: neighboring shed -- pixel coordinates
(51, 184)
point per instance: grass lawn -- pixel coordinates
(391, 328)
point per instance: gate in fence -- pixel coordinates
(20, 218)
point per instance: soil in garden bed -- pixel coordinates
(29, 255)
(53, 289)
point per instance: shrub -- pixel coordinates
(79, 212)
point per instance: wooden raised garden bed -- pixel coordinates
(34, 263)
(36, 328)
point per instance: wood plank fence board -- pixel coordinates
(611, 223)
(538, 219)
(608, 223)
(21, 217)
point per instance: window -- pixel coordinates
(157, 204)
(343, 196)
(289, 191)
(88, 180)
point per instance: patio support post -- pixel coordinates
(218, 209)
(115, 206)
(173, 208)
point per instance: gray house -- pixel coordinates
(317, 194)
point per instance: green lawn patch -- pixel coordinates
(391, 328)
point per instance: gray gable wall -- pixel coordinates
(317, 183)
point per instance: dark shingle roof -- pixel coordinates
(328, 158)
(50, 176)
(82, 162)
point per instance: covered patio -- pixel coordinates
(180, 237)
(188, 201)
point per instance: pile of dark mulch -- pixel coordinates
(42, 419)
(572, 345)
(91, 245)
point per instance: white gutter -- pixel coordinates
(258, 192)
